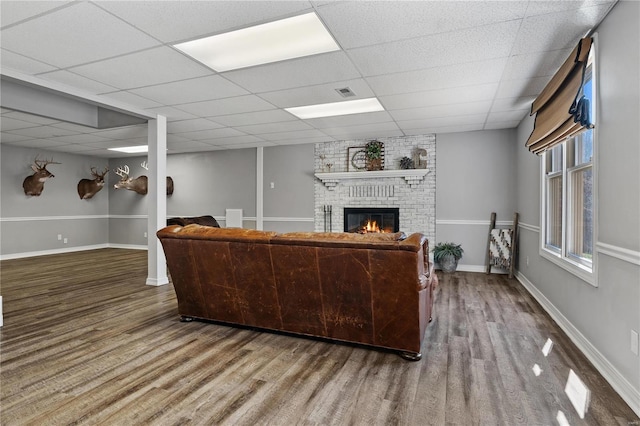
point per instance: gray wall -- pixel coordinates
(288, 206)
(205, 183)
(599, 318)
(476, 175)
(32, 224)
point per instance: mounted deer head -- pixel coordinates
(138, 185)
(145, 166)
(87, 188)
(34, 184)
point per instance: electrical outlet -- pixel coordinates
(527, 260)
(145, 235)
(634, 342)
(59, 237)
(272, 185)
(66, 240)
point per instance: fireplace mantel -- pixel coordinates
(412, 176)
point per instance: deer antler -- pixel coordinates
(145, 165)
(41, 164)
(122, 172)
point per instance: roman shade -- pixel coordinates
(561, 109)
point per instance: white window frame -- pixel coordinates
(562, 257)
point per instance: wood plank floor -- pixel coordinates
(86, 342)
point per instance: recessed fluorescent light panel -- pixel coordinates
(289, 38)
(131, 149)
(357, 106)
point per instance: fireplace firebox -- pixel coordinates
(364, 220)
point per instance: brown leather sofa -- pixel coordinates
(372, 289)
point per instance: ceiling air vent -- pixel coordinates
(345, 92)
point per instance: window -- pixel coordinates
(568, 197)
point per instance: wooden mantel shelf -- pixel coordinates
(412, 176)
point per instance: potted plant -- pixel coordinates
(447, 256)
(373, 151)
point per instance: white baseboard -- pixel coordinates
(619, 383)
(70, 250)
(52, 251)
(128, 246)
(157, 281)
(476, 268)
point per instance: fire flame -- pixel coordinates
(372, 226)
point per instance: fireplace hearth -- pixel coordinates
(364, 220)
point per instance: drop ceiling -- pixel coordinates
(436, 67)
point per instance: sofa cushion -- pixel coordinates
(200, 232)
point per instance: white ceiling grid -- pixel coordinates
(436, 66)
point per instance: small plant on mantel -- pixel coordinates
(447, 255)
(374, 152)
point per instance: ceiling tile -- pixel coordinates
(38, 143)
(358, 24)
(447, 129)
(350, 120)
(352, 131)
(521, 88)
(538, 64)
(247, 103)
(510, 104)
(130, 99)
(211, 134)
(10, 60)
(144, 68)
(258, 117)
(172, 21)
(544, 7)
(516, 115)
(96, 35)
(247, 145)
(191, 125)
(82, 138)
(77, 148)
(183, 145)
(233, 140)
(77, 81)
(35, 120)
(6, 137)
(459, 47)
(16, 11)
(443, 121)
(285, 126)
(74, 127)
(307, 71)
(451, 110)
(42, 132)
(274, 137)
(473, 73)
(557, 30)
(304, 141)
(171, 113)
(318, 94)
(192, 90)
(454, 95)
(122, 133)
(346, 133)
(494, 125)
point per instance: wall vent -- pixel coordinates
(345, 92)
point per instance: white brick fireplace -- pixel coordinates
(412, 191)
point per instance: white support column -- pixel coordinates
(157, 199)
(259, 187)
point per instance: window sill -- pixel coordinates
(585, 274)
